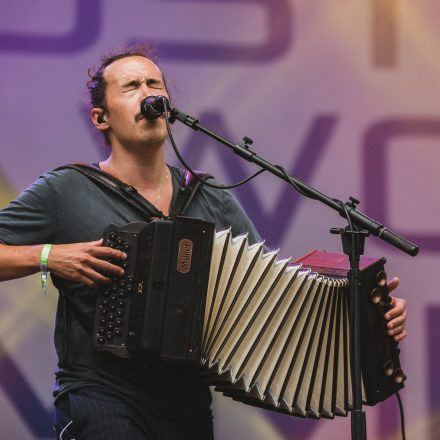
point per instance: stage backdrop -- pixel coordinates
(344, 94)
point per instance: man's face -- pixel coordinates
(129, 81)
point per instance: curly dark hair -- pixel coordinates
(97, 84)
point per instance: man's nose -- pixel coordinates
(146, 91)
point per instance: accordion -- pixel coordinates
(268, 332)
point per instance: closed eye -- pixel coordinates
(154, 84)
(135, 84)
(132, 85)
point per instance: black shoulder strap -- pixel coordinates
(127, 192)
(187, 189)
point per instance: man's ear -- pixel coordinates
(97, 115)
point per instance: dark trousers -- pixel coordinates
(92, 415)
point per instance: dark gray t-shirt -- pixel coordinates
(66, 207)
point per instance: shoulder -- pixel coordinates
(55, 186)
(46, 184)
(61, 180)
(61, 176)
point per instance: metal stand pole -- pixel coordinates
(353, 243)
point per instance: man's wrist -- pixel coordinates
(44, 260)
(34, 256)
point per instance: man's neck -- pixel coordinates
(143, 169)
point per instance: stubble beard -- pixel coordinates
(156, 134)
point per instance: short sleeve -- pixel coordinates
(31, 218)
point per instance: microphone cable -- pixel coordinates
(185, 164)
(402, 416)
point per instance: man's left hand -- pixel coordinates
(397, 315)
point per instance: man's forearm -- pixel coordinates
(19, 261)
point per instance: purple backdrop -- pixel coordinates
(343, 94)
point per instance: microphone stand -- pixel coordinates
(353, 241)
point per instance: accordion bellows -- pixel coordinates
(268, 332)
(264, 324)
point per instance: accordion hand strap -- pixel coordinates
(187, 189)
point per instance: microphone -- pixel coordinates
(153, 106)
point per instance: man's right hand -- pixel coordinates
(84, 262)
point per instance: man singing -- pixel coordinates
(57, 224)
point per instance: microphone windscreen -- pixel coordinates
(153, 106)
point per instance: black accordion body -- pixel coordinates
(268, 332)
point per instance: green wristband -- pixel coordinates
(44, 257)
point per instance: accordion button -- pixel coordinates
(119, 312)
(129, 287)
(106, 292)
(111, 245)
(124, 265)
(399, 376)
(110, 326)
(109, 336)
(388, 368)
(103, 321)
(102, 331)
(113, 298)
(111, 316)
(105, 303)
(112, 236)
(130, 279)
(118, 332)
(113, 308)
(121, 294)
(381, 278)
(121, 303)
(376, 296)
(127, 247)
(122, 283)
(104, 311)
(118, 322)
(101, 340)
(114, 287)
(120, 241)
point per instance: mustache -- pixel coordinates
(139, 116)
